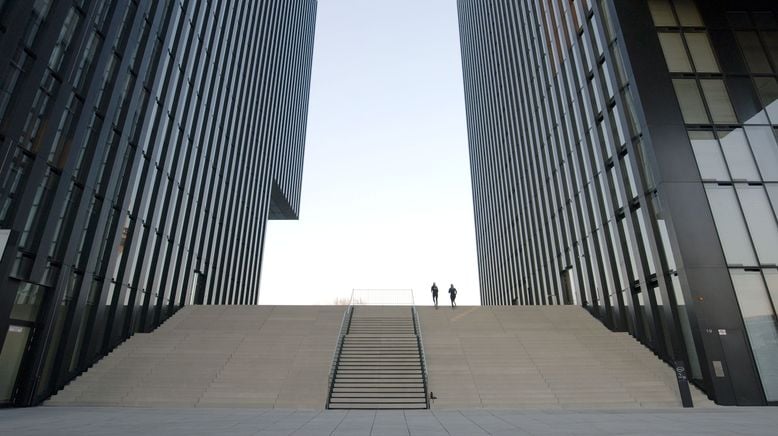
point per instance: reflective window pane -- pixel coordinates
(690, 100)
(702, 53)
(772, 192)
(761, 222)
(765, 149)
(710, 160)
(767, 88)
(687, 13)
(738, 155)
(718, 101)
(771, 42)
(753, 52)
(662, 13)
(28, 302)
(760, 325)
(730, 225)
(675, 53)
(771, 277)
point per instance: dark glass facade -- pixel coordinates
(143, 145)
(624, 158)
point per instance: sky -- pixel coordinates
(386, 196)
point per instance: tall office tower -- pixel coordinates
(624, 158)
(143, 146)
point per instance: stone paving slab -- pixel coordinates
(117, 421)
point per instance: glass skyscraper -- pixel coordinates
(143, 146)
(624, 158)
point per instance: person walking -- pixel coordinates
(435, 294)
(452, 292)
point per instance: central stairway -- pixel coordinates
(380, 362)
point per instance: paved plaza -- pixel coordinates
(108, 421)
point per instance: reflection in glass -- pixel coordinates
(11, 359)
(761, 327)
(730, 225)
(771, 277)
(718, 101)
(27, 303)
(710, 161)
(675, 53)
(753, 53)
(771, 42)
(690, 100)
(662, 13)
(767, 87)
(702, 52)
(761, 222)
(686, 329)
(738, 155)
(687, 13)
(762, 139)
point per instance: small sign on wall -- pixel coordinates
(718, 368)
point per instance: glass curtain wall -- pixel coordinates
(732, 122)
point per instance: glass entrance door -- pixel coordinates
(11, 358)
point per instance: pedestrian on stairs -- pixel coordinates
(452, 292)
(435, 294)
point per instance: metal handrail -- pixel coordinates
(417, 329)
(344, 325)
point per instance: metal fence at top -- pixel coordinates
(382, 297)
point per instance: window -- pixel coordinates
(771, 277)
(710, 160)
(767, 88)
(760, 322)
(738, 155)
(761, 222)
(690, 100)
(702, 52)
(730, 225)
(762, 139)
(771, 41)
(662, 13)
(718, 101)
(687, 13)
(675, 53)
(753, 53)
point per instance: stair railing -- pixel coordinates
(345, 323)
(420, 342)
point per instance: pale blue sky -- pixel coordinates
(386, 200)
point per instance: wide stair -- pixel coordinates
(380, 362)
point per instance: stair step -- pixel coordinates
(377, 389)
(377, 395)
(367, 400)
(399, 406)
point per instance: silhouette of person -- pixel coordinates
(435, 294)
(452, 292)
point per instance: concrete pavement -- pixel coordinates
(118, 421)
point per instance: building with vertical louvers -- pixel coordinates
(624, 158)
(143, 146)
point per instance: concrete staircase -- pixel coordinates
(541, 357)
(380, 363)
(218, 356)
